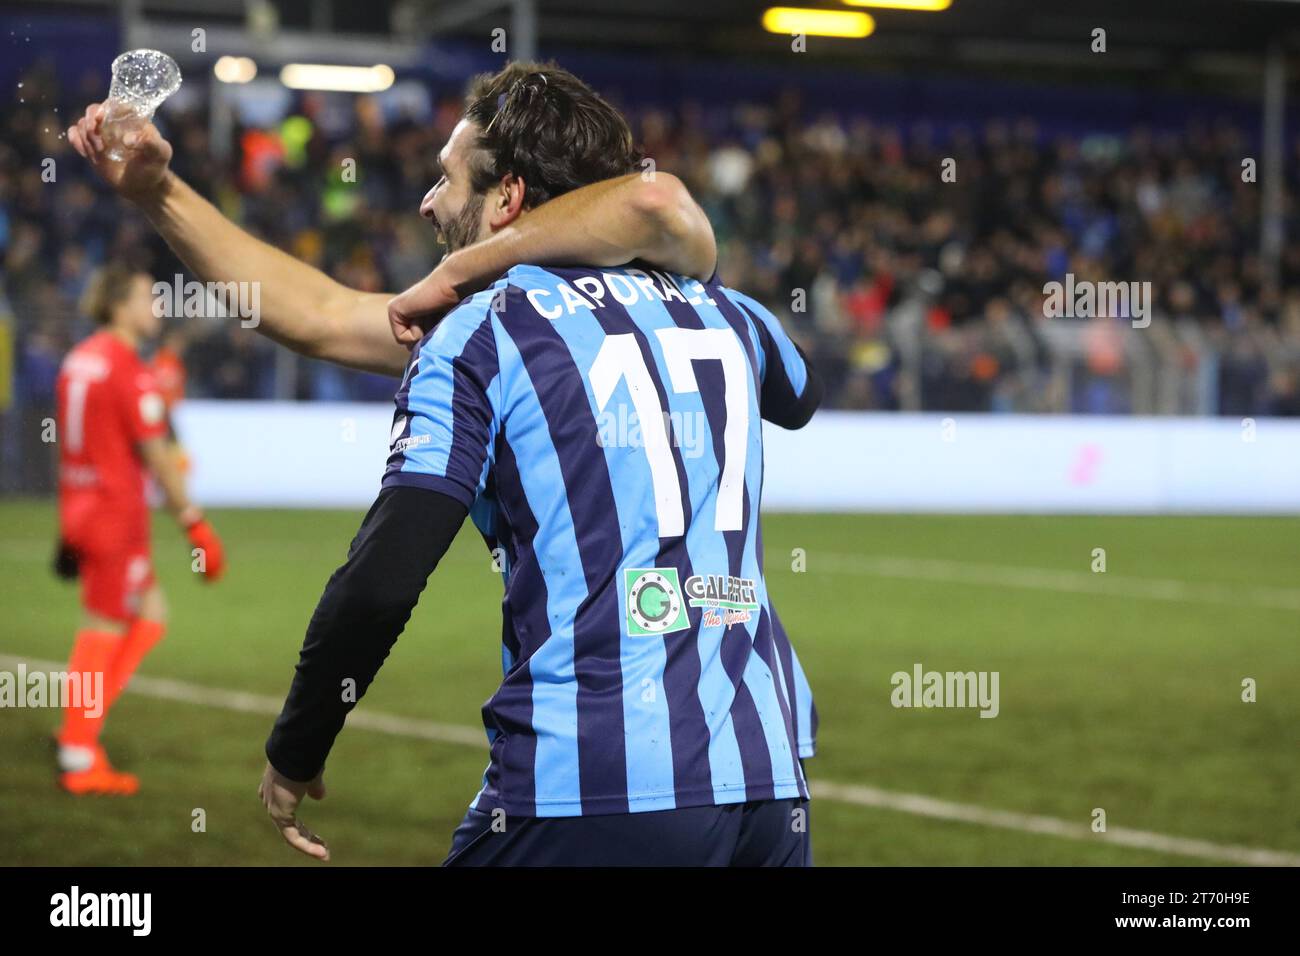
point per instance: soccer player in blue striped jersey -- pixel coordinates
(601, 426)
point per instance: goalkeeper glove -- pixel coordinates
(204, 539)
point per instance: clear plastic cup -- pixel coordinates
(142, 79)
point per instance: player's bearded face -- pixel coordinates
(461, 228)
(452, 205)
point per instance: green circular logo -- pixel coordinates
(653, 601)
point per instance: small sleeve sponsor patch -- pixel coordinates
(152, 408)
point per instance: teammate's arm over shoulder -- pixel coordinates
(609, 223)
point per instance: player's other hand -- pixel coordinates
(281, 797)
(418, 309)
(138, 177)
(204, 538)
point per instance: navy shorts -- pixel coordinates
(760, 833)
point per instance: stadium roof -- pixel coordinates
(1230, 25)
(1157, 37)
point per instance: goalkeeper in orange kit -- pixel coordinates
(112, 432)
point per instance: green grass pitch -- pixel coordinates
(1117, 691)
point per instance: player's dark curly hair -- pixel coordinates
(544, 125)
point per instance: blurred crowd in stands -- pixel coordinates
(910, 263)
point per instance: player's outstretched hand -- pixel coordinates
(204, 538)
(418, 309)
(281, 797)
(143, 171)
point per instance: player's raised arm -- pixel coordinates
(605, 223)
(609, 223)
(301, 307)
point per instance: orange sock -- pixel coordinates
(92, 653)
(137, 644)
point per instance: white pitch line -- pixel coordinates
(1043, 579)
(1050, 826)
(163, 688)
(857, 795)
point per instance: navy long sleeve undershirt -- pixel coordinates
(366, 604)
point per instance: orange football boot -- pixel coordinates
(100, 779)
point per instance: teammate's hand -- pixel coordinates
(203, 537)
(418, 309)
(281, 797)
(142, 173)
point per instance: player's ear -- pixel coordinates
(509, 201)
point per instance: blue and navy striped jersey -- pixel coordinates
(604, 429)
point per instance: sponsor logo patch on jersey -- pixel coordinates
(654, 601)
(726, 599)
